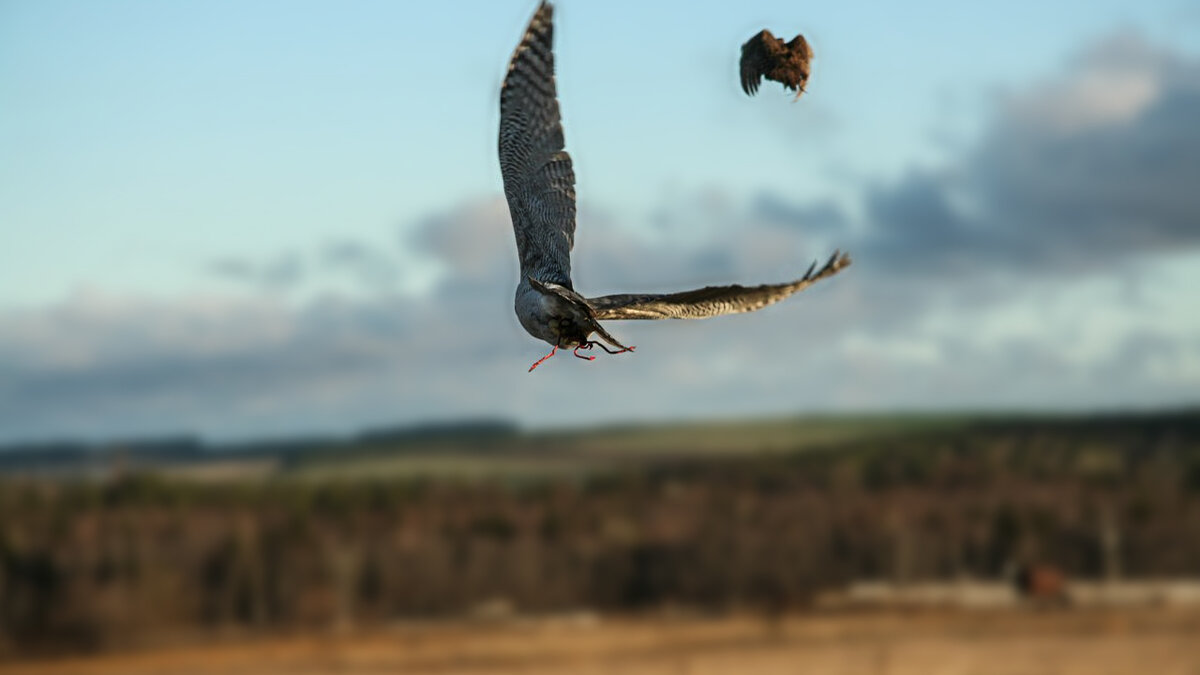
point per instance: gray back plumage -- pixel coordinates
(539, 181)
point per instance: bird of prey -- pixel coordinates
(765, 55)
(539, 184)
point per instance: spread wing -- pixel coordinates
(800, 46)
(710, 300)
(539, 181)
(756, 61)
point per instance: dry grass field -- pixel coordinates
(875, 643)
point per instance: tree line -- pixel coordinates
(142, 559)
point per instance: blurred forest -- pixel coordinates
(146, 554)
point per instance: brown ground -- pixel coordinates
(926, 643)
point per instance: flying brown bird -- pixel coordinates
(539, 184)
(765, 55)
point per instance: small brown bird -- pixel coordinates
(765, 55)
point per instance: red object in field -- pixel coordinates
(1042, 582)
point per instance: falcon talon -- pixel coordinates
(605, 348)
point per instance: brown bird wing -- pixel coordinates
(794, 74)
(757, 59)
(800, 46)
(539, 181)
(710, 300)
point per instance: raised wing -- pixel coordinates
(800, 46)
(539, 181)
(710, 300)
(756, 60)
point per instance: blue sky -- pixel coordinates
(189, 186)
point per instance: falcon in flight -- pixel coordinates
(539, 184)
(765, 55)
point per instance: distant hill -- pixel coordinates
(491, 447)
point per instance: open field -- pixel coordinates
(713, 519)
(497, 450)
(196, 549)
(877, 643)
(467, 451)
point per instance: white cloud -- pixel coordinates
(1109, 84)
